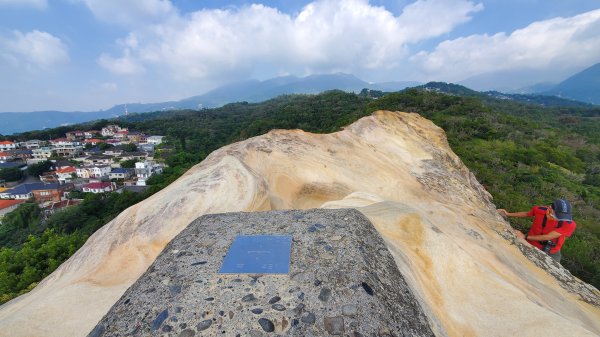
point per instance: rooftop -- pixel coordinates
(9, 203)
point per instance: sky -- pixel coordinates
(88, 55)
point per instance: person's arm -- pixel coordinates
(516, 214)
(549, 236)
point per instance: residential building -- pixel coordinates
(146, 147)
(155, 140)
(42, 154)
(68, 150)
(83, 172)
(66, 174)
(50, 192)
(132, 155)
(121, 135)
(114, 142)
(32, 144)
(93, 141)
(110, 130)
(146, 169)
(60, 142)
(7, 145)
(12, 164)
(136, 137)
(91, 134)
(113, 151)
(120, 174)
(98, 159)
(58, 164)
(75, 135)
(7, 206)
(6, 156)
(22, 154)
(94, 151)
(39, 191)
(99, 187)
(99, 171)
(58, 206)
(49, 177)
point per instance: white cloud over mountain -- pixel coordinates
(349, 35)
(33, 50)
(556, 43)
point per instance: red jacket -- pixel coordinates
(566, 229)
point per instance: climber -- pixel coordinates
(551, 225)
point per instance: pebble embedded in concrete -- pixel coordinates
(338, 261)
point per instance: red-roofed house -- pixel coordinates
(121, 134)
(66, 174)
(5, 156)
(7, 145)
(93, 141)
(60, 205)
(7, 206)
(99, 187)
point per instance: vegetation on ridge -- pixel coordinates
(524, 154)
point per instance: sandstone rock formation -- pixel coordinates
(461, 260)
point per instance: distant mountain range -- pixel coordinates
(583, 86)
(250, 91)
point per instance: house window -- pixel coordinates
(44, 193)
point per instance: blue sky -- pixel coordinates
(91, 54)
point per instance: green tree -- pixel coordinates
(35, 170)
(130, 147)
(11, 174)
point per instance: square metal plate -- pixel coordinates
(258, 254)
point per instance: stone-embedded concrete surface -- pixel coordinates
(342, 281)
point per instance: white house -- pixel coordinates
(100, 171)
(83, 172)
(42, 154)
(110, 130)
(145, 169)
(7, 145)
(32, 144)
(154, 140)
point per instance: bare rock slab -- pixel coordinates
(342, 281)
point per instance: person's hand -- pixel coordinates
(503, 212)
(519, 234)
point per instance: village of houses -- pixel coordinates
(79, 162)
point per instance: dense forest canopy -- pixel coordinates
(524, 154)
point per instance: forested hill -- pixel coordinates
(523, 153)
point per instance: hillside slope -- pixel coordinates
(459, 257)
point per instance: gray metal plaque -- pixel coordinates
(258, 254)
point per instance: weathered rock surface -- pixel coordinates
(470, 274)
(358, 258)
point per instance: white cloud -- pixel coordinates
(559, 43)
(122, 66)
(131, 12)
(38, 4)
(326, 36)
(35, 49)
